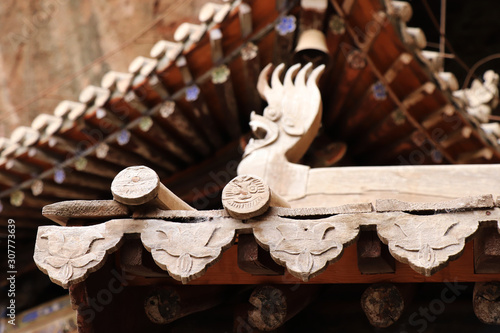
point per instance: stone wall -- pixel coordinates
(51, 49)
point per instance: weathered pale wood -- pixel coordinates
(401, 9)
(407, 183)
(64, 211)
(486, 302)
(214, 12)
(481, 97)
(139, 185)
(253, 259)
(392, 205)
(286, 129)
(245, 197)
(187, 250)
(415, 37)
(69, 255)
(382, 304)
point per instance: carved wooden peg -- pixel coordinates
(94, 95)
(25, 136)
(64, 108)
(117, 81)
(214, 12)
(138, 185)
(167, 49)
(402, 10)
(415, 37)
(248, 196)
(47, 124)
(188, 32)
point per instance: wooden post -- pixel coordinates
(486, 302)
(80, 303)
(139, 185)
(247, 196)
(373, 255)
(487, 250)
(253, 259)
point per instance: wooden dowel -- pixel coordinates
(73, 177)
(22, 198)
(312, 14)
(8, 179)
(486, 302)
(169, 115)
(487, 250)
(139, 185)
(215, 37)
(249, 196)
(275, 305)
(162, 138)
(22, 167)
(224, 88)
(44, 156)
(96, 167)
(62, 212)
(251, 70)
(10, 211)
(151, 154)
(48, 188)
(253, 259)
(456, 136)
(481, 154)
(373, 255)
(415, 37)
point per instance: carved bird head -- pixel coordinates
(293, 115)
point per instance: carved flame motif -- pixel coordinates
(186, 250)
(305, 247)
(425, 244)
(68, 255)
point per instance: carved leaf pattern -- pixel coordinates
(69, 254)
(426, 243)
(185, 250)
(305, 247)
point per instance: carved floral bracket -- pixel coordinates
(295, 238)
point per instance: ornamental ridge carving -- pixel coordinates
(186, 250)
(305, 247)
(68, 254)
(426, 243)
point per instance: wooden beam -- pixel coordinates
(62, 212)
(373, 255)
(140, 185)
(382, 304)
(253, 259)
(487, 250)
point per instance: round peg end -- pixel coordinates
(246, 196)
(135, 185)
